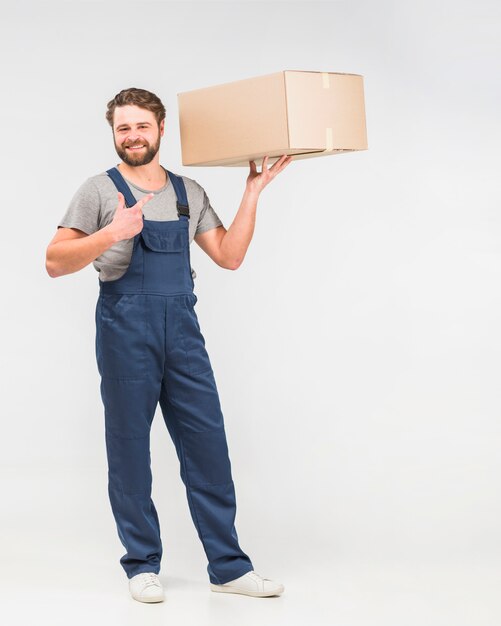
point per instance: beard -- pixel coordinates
(140, 157)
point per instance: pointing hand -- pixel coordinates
(127, 222)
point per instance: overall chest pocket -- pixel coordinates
(168, 241)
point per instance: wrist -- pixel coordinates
(252, 191)
(109, 235)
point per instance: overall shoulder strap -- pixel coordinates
(177, 182)
(180, 189)
(122, 186)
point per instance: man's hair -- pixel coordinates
(138, 97)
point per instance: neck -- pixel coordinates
(151, 176)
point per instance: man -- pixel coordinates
(149, 347)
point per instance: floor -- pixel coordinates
(346, 594)
(60, 554)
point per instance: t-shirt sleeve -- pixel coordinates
(208, 217)
(83, 211)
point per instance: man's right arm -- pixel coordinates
(71, 249)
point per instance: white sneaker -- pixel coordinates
(146, 587)
(251, 584)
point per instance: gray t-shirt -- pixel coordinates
(94, 204)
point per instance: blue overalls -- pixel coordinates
(149, 349)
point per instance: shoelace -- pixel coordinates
(149, 579)
(258, 576)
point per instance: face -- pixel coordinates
(136, 135)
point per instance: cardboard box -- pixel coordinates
(304, 114)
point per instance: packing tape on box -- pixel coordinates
(329, 142)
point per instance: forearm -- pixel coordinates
(71, 255)
(238, 236)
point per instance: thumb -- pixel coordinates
(121, 201)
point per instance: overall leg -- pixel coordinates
(191, 409)
(130, 389)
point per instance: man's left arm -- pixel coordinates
(227, 248)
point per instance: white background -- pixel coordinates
(356, 350)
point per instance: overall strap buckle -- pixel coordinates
(181, 195)
(183, 209)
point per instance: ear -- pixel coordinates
(162, 126)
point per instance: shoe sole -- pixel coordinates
(153, 599)
(255, 594)
(158, 598)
